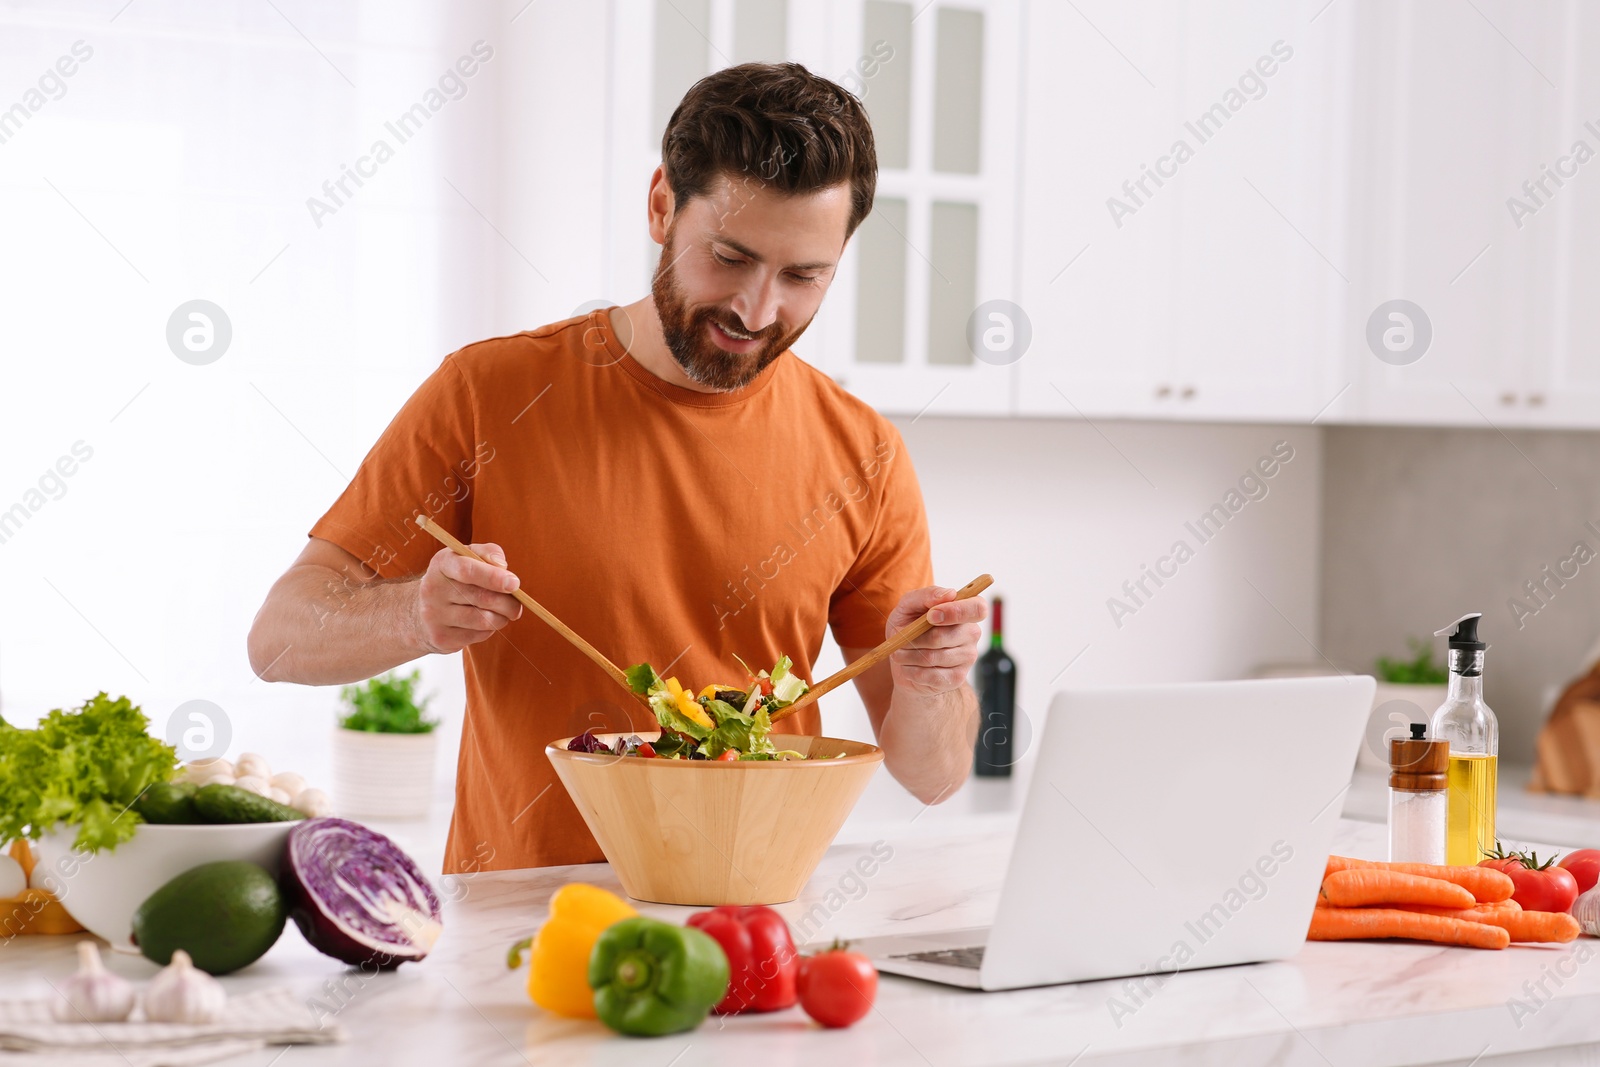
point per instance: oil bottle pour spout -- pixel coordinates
(1463, 633)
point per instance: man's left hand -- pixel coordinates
(940, 661)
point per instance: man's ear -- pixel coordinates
(659, 205)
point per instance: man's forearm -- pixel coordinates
(319, 627)
(927, 740)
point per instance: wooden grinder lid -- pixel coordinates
(1417, 765)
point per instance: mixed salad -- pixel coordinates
(723, 722)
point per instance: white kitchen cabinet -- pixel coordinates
(1191, 161)
(915, 290)
(940, 80)
(1333, 159)
(1451, 118)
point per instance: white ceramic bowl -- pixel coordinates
(103, 889)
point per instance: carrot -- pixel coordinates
(1482, 913)
(1366, 885)
(1354, 924)
(1522, 925)
(1486, 884)
(1475, 913)
(1555, 926)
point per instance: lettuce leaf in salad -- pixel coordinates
(721, 711)
(642, 679)
(670, 745)
(787, 687)
(738, 724)
(760, 727)
(730, 733)
(670, 718)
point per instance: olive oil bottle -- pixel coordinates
(1466, 722)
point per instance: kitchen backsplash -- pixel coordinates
(1421, 525)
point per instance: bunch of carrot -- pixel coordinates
(1471, 906)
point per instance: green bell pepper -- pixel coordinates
(651, 978)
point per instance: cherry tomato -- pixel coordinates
(647, 750)
(728, 756)
(836, 987)
(1585, 867)
(1538, 888)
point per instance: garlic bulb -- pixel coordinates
(314, 802)
(253, 764)
(1586, 909)
(94, 994)
(182, 993)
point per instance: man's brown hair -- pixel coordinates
(776, 124)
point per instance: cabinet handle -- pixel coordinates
(1163, 391)
(1188, 392)
(1508, 398)
(1535, 399)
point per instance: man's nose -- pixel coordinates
(757, 305)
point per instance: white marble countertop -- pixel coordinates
(1348, 1005)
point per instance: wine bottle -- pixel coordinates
(997, 695)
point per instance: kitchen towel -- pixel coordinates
(30, 1036)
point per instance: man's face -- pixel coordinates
(742, 273)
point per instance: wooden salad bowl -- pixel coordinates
(704, 833)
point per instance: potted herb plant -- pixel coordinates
(384, 750)
(1419, 681)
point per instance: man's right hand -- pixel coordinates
(461, 601)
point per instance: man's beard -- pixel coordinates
(686, 330)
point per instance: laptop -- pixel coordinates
(1166, 828)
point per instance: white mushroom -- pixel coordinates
(313, 802)
(206, 770)
(289, 782)
(254, 765)
(257, 785)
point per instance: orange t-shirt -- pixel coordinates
(665, 525)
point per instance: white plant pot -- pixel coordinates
(1424, 701)
(383, 776)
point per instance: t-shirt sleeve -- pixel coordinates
(422, 464)
(895, 560)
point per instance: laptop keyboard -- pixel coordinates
(970, 957)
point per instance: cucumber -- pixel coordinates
(219, 803)
(168, 803)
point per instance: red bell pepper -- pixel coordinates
(762, 960)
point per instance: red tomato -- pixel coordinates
(647, 750)
(1585, 867)
(1546, 888)
(837, 988)
(728, 756)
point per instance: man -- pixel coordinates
(665, 477)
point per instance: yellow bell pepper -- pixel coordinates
(684, 701)
(558, 971)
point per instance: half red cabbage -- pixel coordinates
(356, 896)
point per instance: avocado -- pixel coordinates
(229, 803)
(225, 915)
(169, 803)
